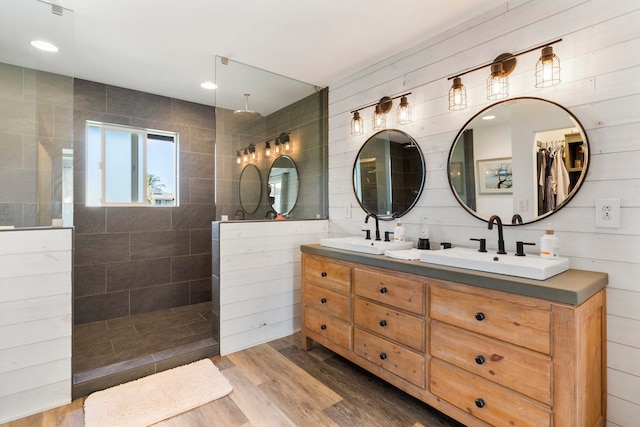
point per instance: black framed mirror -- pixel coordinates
(521, 159)
(283, 185)
(388, 174)
(250, 188)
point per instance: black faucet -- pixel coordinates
(239, 213)
(498, 221)
(366, 220)
(516, 219)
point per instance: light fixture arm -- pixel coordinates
(503, 59)
(384, 102)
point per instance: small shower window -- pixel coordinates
(129, 166)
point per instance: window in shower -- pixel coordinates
(129, 166)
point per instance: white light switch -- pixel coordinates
(347, 210)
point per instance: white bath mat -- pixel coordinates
(157, 397)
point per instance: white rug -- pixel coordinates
(157, 397)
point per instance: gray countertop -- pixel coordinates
(571, 287)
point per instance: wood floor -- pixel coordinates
(279, 384)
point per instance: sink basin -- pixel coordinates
(530, 266)
(360, 244)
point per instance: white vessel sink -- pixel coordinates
(530, 266)
(360, 244)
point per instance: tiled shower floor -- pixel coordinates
(109, 347)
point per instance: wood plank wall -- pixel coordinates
(35, 321)
(260, 279)
(600, 85)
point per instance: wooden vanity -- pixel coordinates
(485, 349)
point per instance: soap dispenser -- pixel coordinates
(549, 244)
(398, 233)
(423, 240)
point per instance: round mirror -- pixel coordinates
(521, 159)
(250, 188)
(388, 174)
(282, 190)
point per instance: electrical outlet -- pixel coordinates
(347, 210)
(608, 213)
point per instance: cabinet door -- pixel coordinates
(523, 370)
(326, 300)
(335, 330)
(483, 399)
(519, 320)
(327, 273)
(390, 323)
(392, 357)
(398, 292)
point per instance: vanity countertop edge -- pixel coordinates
(572, 287)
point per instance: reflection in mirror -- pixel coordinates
(519, 158)
(388, 174)
(282, 189)
(250, 188)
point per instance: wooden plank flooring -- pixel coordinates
(279, 384)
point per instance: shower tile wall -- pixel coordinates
(135, 260)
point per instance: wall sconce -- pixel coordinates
(285, 140)
(547, 68)
(547, 74)
(404, 112)
(379, 115)
(379, 119)
(498, 81)
(250, 152)
(457, 95)
(357, 126)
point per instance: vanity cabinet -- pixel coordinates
(480, 355)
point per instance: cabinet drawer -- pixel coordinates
(495, 314)
(327, 273)
(331, 328)
(325, 300)
(401, 293)
(483, 399)
(389, 356)
(516, 368)
(392, 324)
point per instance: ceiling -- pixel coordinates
(169, 47)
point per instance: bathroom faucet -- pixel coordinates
(498, 221)
(366, 220)
(516, 219)
(271, 214)
(239, 213)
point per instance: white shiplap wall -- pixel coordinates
(35, 321)
(260, 279)
(600, 56)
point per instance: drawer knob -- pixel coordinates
(480, 360)
(323, 327)
(383, 323)
(383, 290)
(480, 402)
(323, 274)
(383, 356)
(323, 300)
(479, 316)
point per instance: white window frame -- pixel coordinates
(104, 127)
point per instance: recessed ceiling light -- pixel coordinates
(43, 45)
(488, 117)
(209, 85)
